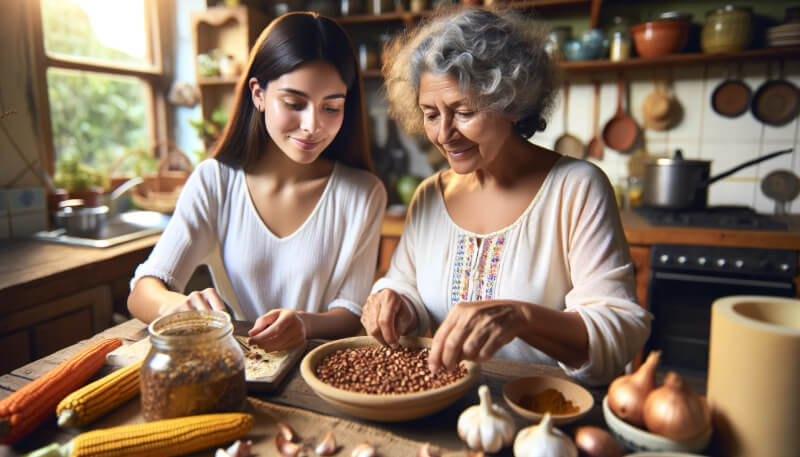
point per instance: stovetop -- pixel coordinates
(725, 217)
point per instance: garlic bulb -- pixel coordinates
(544, 440)
(486, 427)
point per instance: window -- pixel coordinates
(103, 64)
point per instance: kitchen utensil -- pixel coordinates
(567, 143)
(660, 110)
(731, 97)
(755, 342)
(514, 392)
(595, 147)
(637, 439)
(783, 187)
(386, 408)
(81, 220)
(777, 101)
(679, 183)
(621, 130)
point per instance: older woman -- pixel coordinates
(515, 251)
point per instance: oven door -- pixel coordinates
(681, 306)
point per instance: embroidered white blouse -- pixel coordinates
(567, 251)
(328, 262)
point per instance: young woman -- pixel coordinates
(288, 197)
(515, 251)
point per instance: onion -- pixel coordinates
(626, 394)
(675, 411)
(593, 441)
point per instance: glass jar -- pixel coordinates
(194, 366)
(620, 46)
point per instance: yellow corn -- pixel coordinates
(162, 438)
(93, 400)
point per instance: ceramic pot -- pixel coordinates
(727, 29)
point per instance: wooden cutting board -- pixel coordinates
(309, 426)
(130, 353)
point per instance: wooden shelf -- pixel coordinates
(590, 66)
(410, 17)
(217, 80)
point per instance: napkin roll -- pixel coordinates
(753, 376)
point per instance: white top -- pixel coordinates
(328, 262)
(566, 251)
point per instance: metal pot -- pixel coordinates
(82, 221)
(678, 183)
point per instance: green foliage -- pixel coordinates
(96, 118)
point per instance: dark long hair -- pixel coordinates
(287, 42)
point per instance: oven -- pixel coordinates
(684, 282)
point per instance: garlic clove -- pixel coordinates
(327, 446)
(287, 448)
(486, 426)
(240, 449)
(364, 449)
(427, 451)
(287, 432)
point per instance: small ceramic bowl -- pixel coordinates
(513, 392)
(639, 440)
(660, 38)
(389, 407)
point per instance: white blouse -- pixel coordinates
(328, 262)
(567, 251)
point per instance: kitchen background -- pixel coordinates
(701, 133)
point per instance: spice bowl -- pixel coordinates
(521, 393)
(638, 440)
(384, 407)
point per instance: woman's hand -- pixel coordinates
(386, 317)
(278, 330)
(206, 299)
(475, 331)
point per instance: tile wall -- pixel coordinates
(702, 134)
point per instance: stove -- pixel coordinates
(723, 217)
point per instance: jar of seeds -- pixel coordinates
(194, 366)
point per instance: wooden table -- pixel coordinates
(439, 429)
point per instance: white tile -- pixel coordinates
(729, 192)
(725, 156)
(23, 224)
(688, 88)
(580, 111)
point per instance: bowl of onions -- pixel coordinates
(647, 417)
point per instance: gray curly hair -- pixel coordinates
(497, 56)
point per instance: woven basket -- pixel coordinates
(159, 191)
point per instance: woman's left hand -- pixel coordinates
(475, 331)
(278, 330)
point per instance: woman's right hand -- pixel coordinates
(206, 299)
(386, 317)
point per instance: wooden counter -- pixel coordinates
(439, 429)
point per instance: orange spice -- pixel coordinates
(548, 400)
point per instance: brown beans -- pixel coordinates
(382, 370)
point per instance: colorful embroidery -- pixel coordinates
(488, 267)
(483, 273)
(465, 249)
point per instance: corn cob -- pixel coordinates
(93, 400)
(25, 409)
(164, 438)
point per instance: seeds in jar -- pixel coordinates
(206, 380)
(382, 370)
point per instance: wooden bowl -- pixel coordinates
(390, 407)
(513, 391)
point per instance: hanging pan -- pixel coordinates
(731, 98)
(567, 143)
(776, 102)
(620, 131)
